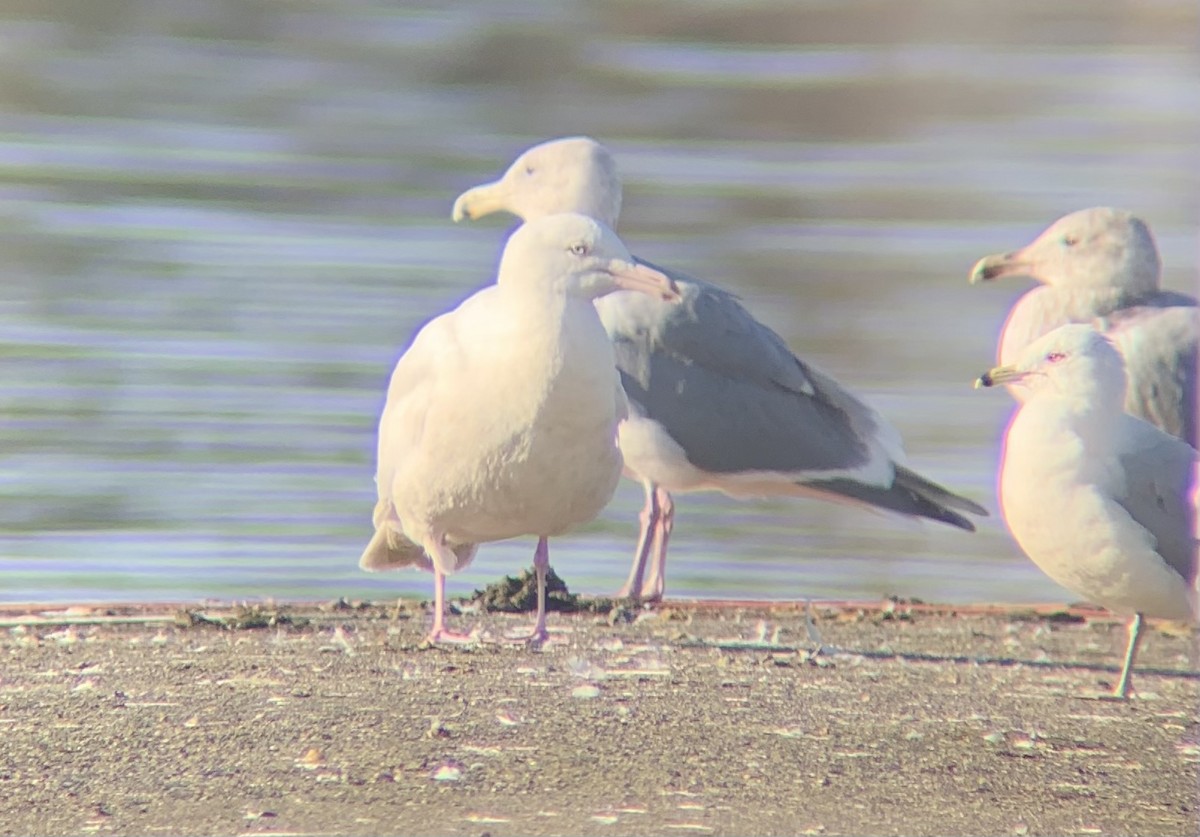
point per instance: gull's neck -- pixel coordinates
(548, 315)
(1090, 410)
(1046, 307)
(1085, 303)
(601, 201)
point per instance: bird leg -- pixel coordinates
(1135, 638)
(649, 517)
(439, 633)
(656, 582)
(810, 627)
(541, 564)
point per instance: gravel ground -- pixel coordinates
(690, 718)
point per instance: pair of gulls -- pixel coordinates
(515, 413)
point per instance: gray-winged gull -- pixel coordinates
(1098, 499)
(501, 416)
(717, 400)
(1101, 266)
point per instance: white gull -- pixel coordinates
(1098, 499)
(501, 417)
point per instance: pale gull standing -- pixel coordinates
(501, 417)
(717, 401)
(1098, 499)
(1101, 266)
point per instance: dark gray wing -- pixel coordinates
(733, 396)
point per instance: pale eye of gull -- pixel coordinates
(1055, 357)
(579, 249)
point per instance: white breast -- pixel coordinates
(529, 448)
(1057, 500)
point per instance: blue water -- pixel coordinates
(221, 224)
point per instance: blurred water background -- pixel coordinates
(223, 220)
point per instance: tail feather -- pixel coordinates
(934, 493)
(386, 551)
(908, 494)
(389, 549)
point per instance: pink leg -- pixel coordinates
(541, 563)
(656, 582)
(439, 633)
(649, 518)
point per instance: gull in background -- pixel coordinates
(717, 400)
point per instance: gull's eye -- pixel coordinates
(1069, 240)
(1055, 357)
(578, 249)
(529, 169)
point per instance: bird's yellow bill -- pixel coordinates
(999, 375)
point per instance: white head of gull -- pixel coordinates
(1100, 500)
(717, 400)
(1101, 266)
(501, 417)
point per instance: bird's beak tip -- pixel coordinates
(983, 271)
(998, 376)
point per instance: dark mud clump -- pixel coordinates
(519, 595)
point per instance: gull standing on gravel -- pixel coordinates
(717, 400)
(501, 417)
(1098, 499)
(1101, 266)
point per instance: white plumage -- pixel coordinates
(1100, 500)
(501, 417)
